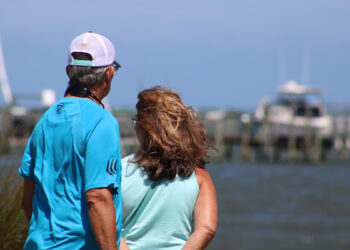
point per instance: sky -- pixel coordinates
(216, 54)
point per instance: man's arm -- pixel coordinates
(102, 217)
(27, 199)
(205, 213)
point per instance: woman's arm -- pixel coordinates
(123, 245)
(205, 213)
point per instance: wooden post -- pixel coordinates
(345, 133)
(308, 133)
(291, 143)
(245, 142)
(219, 138)
(318, 149)
(266, 140)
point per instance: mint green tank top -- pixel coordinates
(156, 216)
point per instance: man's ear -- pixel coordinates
(108, 76)
(110, 72)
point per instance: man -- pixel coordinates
(72, 163)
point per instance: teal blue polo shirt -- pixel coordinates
(74, 147)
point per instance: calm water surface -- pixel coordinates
(268, 207)
(282, 207)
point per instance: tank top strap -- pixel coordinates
(132, 217)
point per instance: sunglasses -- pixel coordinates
(116, 66)
(134, 120)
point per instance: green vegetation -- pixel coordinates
(13, 224)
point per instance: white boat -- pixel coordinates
(298, 108)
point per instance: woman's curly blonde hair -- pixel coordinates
(172, 141)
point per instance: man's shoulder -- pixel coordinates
(108, 119)
(93, 113)
(109, 116)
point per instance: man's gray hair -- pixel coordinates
(89, 77)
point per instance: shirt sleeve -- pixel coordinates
(103, 158)
(27, 166)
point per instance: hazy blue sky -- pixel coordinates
(215, 53)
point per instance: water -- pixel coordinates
(282, 207)
(268, 207)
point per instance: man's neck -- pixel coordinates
(96, 97)
(86, 93)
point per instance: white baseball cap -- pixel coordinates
(97, 46)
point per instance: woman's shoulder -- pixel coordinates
(202, 176)
(129, 168)
(126, 160)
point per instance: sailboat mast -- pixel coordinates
(5, 86)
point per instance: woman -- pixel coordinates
(169, 199)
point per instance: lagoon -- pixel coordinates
(282, 206)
